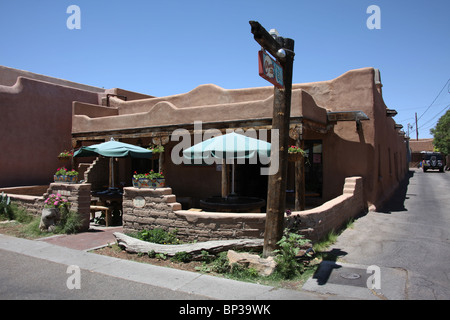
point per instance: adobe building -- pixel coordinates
(418, 146)
(343, 124)
(36, 123)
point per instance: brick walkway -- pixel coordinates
(94, 238)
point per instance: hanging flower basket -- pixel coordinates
(65, 156)
(156, 150)
(293, 157)
(295, 154)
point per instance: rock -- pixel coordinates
(49, 218)
(134, 245)
(264, 266)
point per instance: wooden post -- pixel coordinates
(276, 195)
(224, 179)
(161, 162)
(300, 178)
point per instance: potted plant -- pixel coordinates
(66, 176)
(60, 175)
(65, 155)
(141, 180)
(148, 180)
(135, 179)
(295, 153)
(72, 176)
(156, 149)
(160, 181)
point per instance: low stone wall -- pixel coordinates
(79, 195)
(33, 204)
(157, 208)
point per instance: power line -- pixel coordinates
(448, 106)
(440, 92)
(436, 98)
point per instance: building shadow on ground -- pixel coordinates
(397, 201)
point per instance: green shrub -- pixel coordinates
(182, 256)
(220, 264)
(289, 247)
(6, 211)
(70, 222)
(159, 236)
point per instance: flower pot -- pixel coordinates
(65, 179)
(295, 156)
(144, 183)
(155, 155)
(60, 178)
(135, 182)
(71, 179)
(160, 183)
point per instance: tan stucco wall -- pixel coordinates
(213, 104)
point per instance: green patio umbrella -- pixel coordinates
(113, 149)
(228, 146)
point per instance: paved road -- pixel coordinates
(410, 236)
(25, 277)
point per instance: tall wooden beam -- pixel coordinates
(276, 195)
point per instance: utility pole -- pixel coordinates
(283, 50)
(417, 129)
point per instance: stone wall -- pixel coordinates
(79, 195)
(157, 208)
(97, 174)
(149, 208)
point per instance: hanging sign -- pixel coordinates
(270, 70)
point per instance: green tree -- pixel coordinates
(441, 134)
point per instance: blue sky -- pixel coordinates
(169, 47)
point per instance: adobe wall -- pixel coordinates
(375, 152)
(157, 208)
(36, 123)
(8, 77)
(316, 223)
(35, 126)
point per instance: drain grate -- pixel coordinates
(350, 275)
(331, 272)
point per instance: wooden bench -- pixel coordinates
(106, 210)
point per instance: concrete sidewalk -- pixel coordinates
(177, 280)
